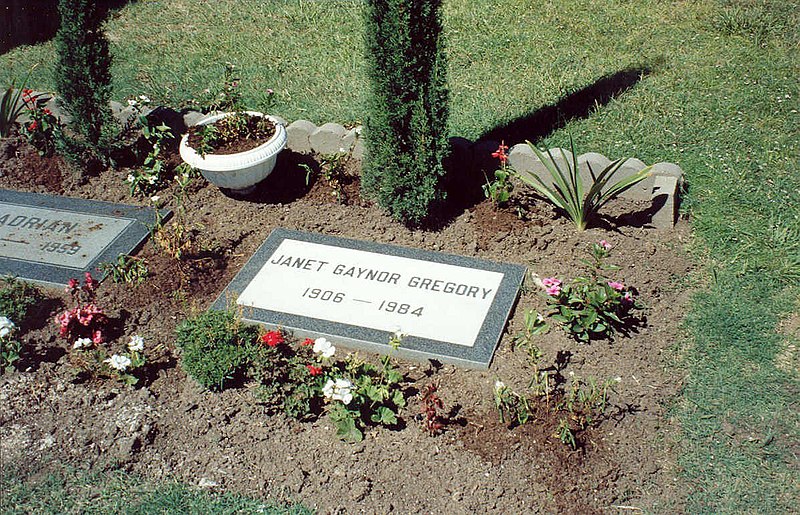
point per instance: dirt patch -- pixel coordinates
(170, 427)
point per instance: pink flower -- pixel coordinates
(606, 245)
(627, 298)
(71, 285)
(97, 337)
(616, 285)
(553, 290)
(91, 283)
(552, 285)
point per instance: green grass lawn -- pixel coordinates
(64, 490)
(716, 92)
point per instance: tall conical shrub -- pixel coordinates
(406, 123)
(83, 68)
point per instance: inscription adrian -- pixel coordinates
(37, 224)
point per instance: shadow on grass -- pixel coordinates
(580, 104)
(29, 22)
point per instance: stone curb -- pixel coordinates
(663, 187)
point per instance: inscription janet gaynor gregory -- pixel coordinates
(450, 308)
(418, 298)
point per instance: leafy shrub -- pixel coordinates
(83, 69)
(406, 124)
(214, 347)
(16, 298)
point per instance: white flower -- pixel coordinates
(136, 344)
(324, 348)
(539, 318)
(154, 199)
(131, 102)
(119, 362)
(144, 99)
(338, 390)
(6, 326)
(499, 385)
(398, 334)
(152, 179)
(130, 178)
(82, 343)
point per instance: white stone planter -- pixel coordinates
(237, 172)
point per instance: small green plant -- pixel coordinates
(583, 405)
(127, 269)
(499, 189)
(365, 394)
(567, 192)
(332, 169)
(17, 298)
(512, 407)
(225, 97)
(10, 347)
(153, 175)
(214, 347)
(209, 138)
(90, 358)
(44, 129)
(178, 239)
(594, 306)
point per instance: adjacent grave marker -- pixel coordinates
(49, 239)
(452, 308)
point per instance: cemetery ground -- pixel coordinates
(704, 418)
(170, 427)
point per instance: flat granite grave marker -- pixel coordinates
(48, 239)
(449, 308)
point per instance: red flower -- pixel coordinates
(272, 338)
(307, 342)
(32, 126)
(314, 371)
(500, 153)
(47, 111)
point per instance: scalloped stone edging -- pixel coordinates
(662, 188)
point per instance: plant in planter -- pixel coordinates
(234, 150)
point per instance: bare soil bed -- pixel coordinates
(169, 426)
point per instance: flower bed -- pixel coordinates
(168, 424)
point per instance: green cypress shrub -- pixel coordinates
(83, 69)
(406, 123)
